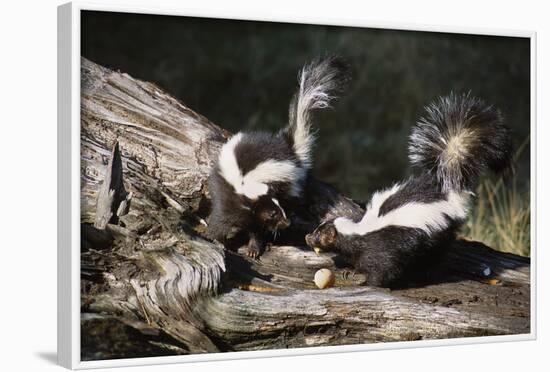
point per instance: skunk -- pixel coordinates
(458, 139)
(259, 175)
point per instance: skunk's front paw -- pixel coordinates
(253, 249)
(346, 274)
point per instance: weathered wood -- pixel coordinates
(150, 274)
(113, 201)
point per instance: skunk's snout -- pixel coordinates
(310, 241)
(283, 224)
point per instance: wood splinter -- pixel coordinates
(113, 201)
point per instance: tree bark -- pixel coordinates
(152, 285)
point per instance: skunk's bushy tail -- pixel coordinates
(319, 82)
(458, 139)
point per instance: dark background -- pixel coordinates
(241, 75)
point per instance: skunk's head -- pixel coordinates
(269, 214)
(323, 238)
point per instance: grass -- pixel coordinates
(501, 215)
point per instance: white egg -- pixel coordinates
(324, 278)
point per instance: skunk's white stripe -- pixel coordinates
(229, 168)
(348, 227)
(255, 183)
(275, 170)
(377, 200)
(278, 171)
(279, 205)
(251, 189)
(429, 217)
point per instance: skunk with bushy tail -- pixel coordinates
(260, 176)
(458, 139)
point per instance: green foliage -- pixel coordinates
(501, 218)
(241, 75)
(501, 215)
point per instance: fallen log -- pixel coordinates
(148, 272)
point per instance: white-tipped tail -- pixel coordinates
(458, 139)
(319, 82)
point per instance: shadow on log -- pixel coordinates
(148, 273)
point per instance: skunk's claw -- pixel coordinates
(253, 251)
(347, 273)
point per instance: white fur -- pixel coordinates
(429, 217)
(278, 171)
(310, 97)
(348, 227)
(255, 183)
(279, 205)
(229, 168)
(251, 189)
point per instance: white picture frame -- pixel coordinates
(69, 188)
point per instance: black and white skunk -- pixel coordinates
(259, 175)
(452, 145)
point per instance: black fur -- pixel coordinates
(387, 255)
(423, 188)
(232, 212)
(480, 141)
(257, 147)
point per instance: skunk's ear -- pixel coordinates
(330, 234)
